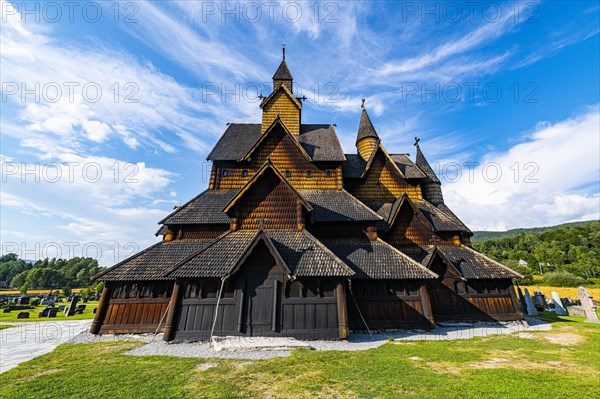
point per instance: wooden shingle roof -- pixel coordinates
(422, 163)
(407, 167)
(377, 259)
(365, 127)
(206, 208)
(337, 206)
(153, 262)
(319, 141)
(474, 265)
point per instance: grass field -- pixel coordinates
(564, 292)
(562, 363)
(33, 313)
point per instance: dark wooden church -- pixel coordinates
(295, 238)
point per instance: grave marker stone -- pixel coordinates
(558, 306)
(531, 310)
(587, 303)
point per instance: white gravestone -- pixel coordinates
(588, 306)
(558, 306)
(531, 310)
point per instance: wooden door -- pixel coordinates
(443, 301)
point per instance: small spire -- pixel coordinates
(363, 104)
(283, 50)
(422, 163)
(365, 127)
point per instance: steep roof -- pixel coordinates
(365, 127)
(440, 220)
(337, 206)
(206, 207)
(422, 163)
(152, 262)
(474, 265)
(377, 259)
(319, 141)
(283, 72)
(407, 167)
(301, 253)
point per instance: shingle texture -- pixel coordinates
(354, 166)
(153, 262)
(218, 258)
(376, 259)
(422, 163)
(407, 167)
(319, 141)
(306, 256)
(365, 127)
(440, 220)
(283, 72)
(206, 208)
(337, 206)
(474, 265)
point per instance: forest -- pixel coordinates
(48, 273)
(564, 250)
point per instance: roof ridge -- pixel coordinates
(119, 264)
(180, 207)
(490, 259)
(328, 251)
(411, 260)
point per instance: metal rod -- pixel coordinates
(359, 312)
(212, 330)
(161, 320)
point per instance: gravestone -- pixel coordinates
(522, 300)
(6, 310)
(44, 312)
(61, 308)
(588, 306)
(70, 311)
(23, 315)
(540, 299)
(558, 306)
(52, 312)
(576, 310)
(23, 300)
(531, 310)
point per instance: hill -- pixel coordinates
(480, 236)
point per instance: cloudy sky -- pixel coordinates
(110, 108)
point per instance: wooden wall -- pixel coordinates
(409, 230)
(286, 157)
(283, 106)
(387, 304)
(135, 307)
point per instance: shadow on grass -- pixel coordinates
(551, 317)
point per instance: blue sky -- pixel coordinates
(504, 96)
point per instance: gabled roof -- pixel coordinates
(439, 219)
(298, 252)
(365, 127)
(319, 141)
(286, 91)
(277, 123)
(268, 167)
(283, 72)
(422, 163)
(152, 262)
(356, 168)
(206, 207)
(449, 265)
(337, 206)
(397, 205)
(474, 265)
(377, 259)
(407, 167)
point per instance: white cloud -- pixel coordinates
(542, 180)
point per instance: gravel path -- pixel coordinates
(445, 331)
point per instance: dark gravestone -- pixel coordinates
(94, 310)
(52, 312)
(82, 307)
(70, 311)
(44, 312)
(6, 310)
(85, 299)
(23, 315)
(23, 300)
(61, 308)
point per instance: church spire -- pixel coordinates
(431, 186)
(283, 76)
(366, 139)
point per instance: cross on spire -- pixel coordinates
(283, 50)
(417, 141)
(362, 105)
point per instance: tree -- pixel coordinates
(24, 288)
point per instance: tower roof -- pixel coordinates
(283, 72)
(365, 127)
(422, 163)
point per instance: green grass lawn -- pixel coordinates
(33, 313)
(562, 363)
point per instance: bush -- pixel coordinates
(24, 288)
(562, 279)
(67, 291)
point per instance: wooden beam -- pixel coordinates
(101, 312)
(426, 304)
(342, 309)
(515, 301)
(170, 327)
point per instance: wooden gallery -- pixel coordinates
(294, 238)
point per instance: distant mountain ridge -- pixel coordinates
(480, 236)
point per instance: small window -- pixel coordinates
(308, 173)
(224, 172)
(228, 290)
(294, 289)
(210, 288)
(328, 173)
(244, 173)
(310, 288)
(460, 287)
(288, 173)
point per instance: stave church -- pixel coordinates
(295, 238)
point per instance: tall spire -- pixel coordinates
(366, 139)
(422, 163)
(283, 76)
